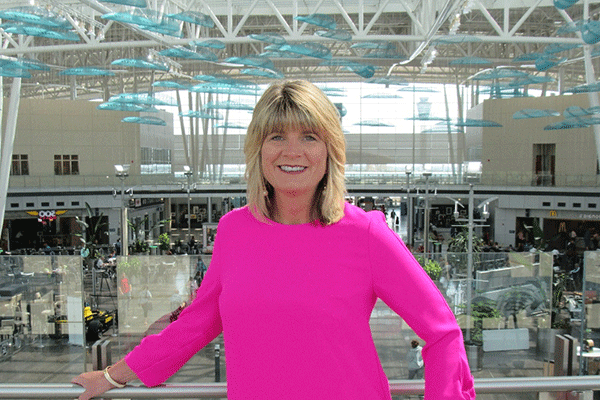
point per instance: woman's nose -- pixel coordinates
(292, 148)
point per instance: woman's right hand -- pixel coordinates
(94, 384)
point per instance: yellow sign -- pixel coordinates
(553, 213)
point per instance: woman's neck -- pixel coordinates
(292, 210)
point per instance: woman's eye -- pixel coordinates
(276, 137)
(310, 137)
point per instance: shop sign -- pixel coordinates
(589, 216)
(45, 216)
(553, 213)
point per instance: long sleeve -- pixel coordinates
(403, 285)
(159, 356)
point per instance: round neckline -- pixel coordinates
(270, 222)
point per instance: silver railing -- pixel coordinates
(583, 384)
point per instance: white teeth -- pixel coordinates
(287, 168)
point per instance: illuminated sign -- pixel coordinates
(553, 213)
(45, 216)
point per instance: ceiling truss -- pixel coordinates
(499, 33)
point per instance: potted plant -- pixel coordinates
(458, 248)
(164, 242)
(433, 269)
(481, 308)
(95, 229)
(560, 320)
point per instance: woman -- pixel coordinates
(295, 275)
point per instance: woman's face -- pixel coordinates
(294, 161)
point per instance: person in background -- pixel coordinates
(298, 271)
(414, 359)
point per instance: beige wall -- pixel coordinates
(507, 152)
(98, 137)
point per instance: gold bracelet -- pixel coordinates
(111, 380)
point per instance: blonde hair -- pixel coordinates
(292, 104)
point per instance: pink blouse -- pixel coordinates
(294, 303)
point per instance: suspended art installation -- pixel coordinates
(140, 63)
(142, 98)
(231, 126)
(251, 61)
(364, 70)
(262, 72)
(553, 48)
(14, 73)
(470, 61)
(572, 123)
(171, 85)
(23, 63)
(182, 52)
(384, 53)
(131, 3)
(223, 89)
(585, 88)
(209, 43)
(388, 81)
(225, 80)
(118, 106)
(477, 123)
(322, 20)
(274, 51)
(145, 120)
(194, 17)
(373, 122)
(200, 114)
(530, 80)
(548, 61)
(576, 111)
(341, 109)
(333, 91)
(451, 39)
(86, 71)
(417, 89)
(268, 37)
(374, 45)
(228, 105)
(498, 73)
(28, 30)
(381, 96)
(149, 20)
(336, 34)
(310, 49)
(36, 16)
(570, 27)
(590, 32)
(564, 4)
(527, 113)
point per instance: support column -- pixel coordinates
(209, 209)
(8, 143)
(592, 96)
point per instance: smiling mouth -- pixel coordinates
(290, 168)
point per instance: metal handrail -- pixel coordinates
(208, 390)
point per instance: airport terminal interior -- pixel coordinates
(473, 125)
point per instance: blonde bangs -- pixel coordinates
(290, 106)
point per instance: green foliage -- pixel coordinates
(94, 230)
(164, 242)
(460, 242)
(130, 266)
(537, 233)
(433, 269)
(140, 247)
(483, 308)
(458, 248)
(559, 286)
